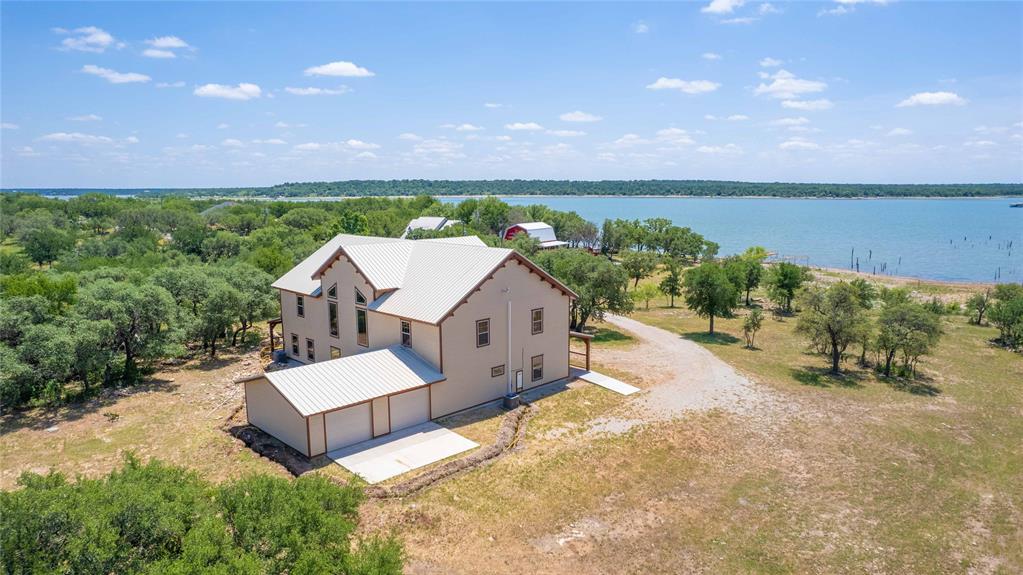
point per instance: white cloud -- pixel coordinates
(980, 144)
(366, 156)
(438, 150)
(86, 118)
(686, 86)
(737, 118)
(466, 127)
(131, 140)
(165, 42)
(676, 136)
(770, 62)
(339, 68)
(768, 8)
(640, 27)
(86, 39)
(318, 91)
(726, 150)
(243, 91)
(822, 104)
(271, 141)
(232, 143)
(286, 125)
(629, 140)
(178, 84)
(492, 105)
(932, 99)
(743, 20)
(800, 121)
(9, 126)
(991, 129)
(308, 146)
(900, 132)
(579, 116)
(710, 56)
(360, 145)
(156, 53)
(115, 77)
(785, 84)
(524, 126)
(798, 144)
(26, 151)
(722, 6)
(76, 138)
(503, 138)
(566, 133)
(409, 136)
(223, 126)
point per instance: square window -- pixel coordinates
(497, 370)
(310, 350)
(300, 306)
(335, 352)
(537, 321)
(483, 333)
(406, 333)
(294, 345)
(537, 365)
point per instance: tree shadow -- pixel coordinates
(822, 377)
(717, 338)
(605, 335)
(919, 385)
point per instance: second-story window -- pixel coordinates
(406, 333)
(362, 325)
(332, 313)
(359, 298)
(332, 292)
(300, 306)
(537, 320)
(483, 332)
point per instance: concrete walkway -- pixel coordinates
(604, 381)
(391, 455)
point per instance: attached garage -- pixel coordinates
(349, 425)
(333, 404)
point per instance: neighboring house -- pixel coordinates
(399, 332)
(431, 223)
(542, 232)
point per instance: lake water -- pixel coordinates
(963, 240)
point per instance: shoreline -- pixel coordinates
(904, 279)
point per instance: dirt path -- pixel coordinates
(689, 378)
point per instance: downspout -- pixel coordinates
(511, 399)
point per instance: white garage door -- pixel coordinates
(347, 426)
(410, 408)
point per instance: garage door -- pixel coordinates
(347, 426)
(410, 408)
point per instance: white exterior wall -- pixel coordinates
(467, 367)
(313, 326)
(267, 409)
(317, 437)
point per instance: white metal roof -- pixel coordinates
(300, 278)
(428, 223)
(539, 230)
(328, 385)
(423, 279)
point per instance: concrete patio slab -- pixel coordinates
(604, 381)
(390, 455)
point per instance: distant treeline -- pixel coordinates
(578, 188)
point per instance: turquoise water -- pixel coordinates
(944, 239)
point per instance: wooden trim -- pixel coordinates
(389, 429)
(372, 420)
(323, 422)
(309, 440)
(429, 400)
(440, 345)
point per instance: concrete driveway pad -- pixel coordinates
(402, 451)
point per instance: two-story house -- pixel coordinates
(398, 332)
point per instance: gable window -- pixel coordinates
(300, 306)
(537, 368)
(537, 320)
(497, 370)
(362, 325)
(359, 298)
(406, 333)
(483, 332)
(310, 350)
(294, 345)
(332, 312)
(335, 352)
(332, 292)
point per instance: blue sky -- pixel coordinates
(233, 94)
